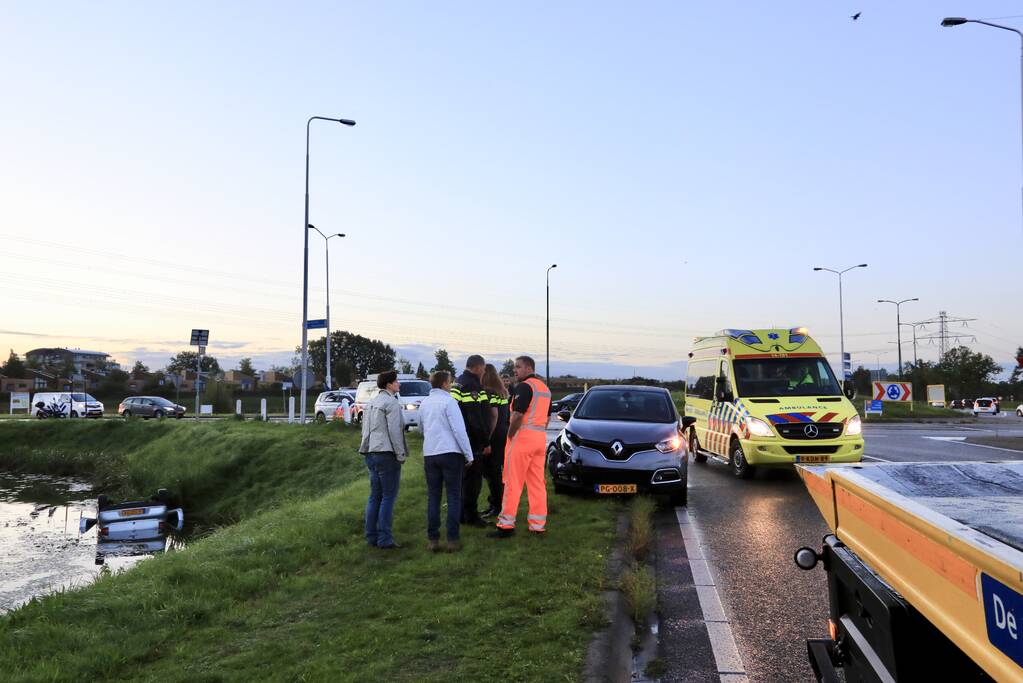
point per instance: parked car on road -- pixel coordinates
(411, 393)
(150, 406)
(957, 404)
(622, 439)
(987, 406)
(327, 404)
(71, 403)
(1019, 410)
(566, 403)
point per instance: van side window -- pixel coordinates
(700, 379)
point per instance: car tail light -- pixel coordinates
(104, 531)
(833, 630)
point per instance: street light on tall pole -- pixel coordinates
(326, 250)
(548, 377)
(959, 21)
(841, 322)
(898, 325)
(305, 262)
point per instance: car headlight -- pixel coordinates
(758, 427)
(670, 445)
(411, 406)
(566, 444)
(855, 426)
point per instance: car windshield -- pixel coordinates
(780, 377)
(414, 387)
(82, 397)
(626, 405)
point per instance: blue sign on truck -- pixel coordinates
(1003, 612)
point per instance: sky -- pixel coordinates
(686, 165)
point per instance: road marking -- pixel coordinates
(994, 448)
(946, 438)
(874, 457)
(719, 629)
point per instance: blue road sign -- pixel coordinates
(320, 324)
(894, 392)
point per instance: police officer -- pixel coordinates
(474, 403)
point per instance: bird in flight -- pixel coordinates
(856, 16)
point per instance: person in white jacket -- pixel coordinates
(446, 454)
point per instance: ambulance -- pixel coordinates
(764, 398)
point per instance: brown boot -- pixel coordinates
(454, 546)
(432, 546)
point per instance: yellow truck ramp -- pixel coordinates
(947, 537)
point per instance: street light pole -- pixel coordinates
(326, 249)
(898, 325)
(841, 315)
(553, 265)
(959, 21)
(305, 261)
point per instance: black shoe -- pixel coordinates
(392, 546)
(501, 533)
(478, 523)
(489, 512)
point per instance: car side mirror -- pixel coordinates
(849, 390)
(564, 415)
(725, 396)
(688, 421)
(40, 405)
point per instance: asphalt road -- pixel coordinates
(751, 529)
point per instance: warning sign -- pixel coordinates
(892, 391)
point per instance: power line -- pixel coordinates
(944, 335)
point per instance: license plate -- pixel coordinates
(615, 488)
(813, 458)
(134, 512)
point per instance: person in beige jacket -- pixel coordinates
(383, 445)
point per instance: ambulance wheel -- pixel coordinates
(694, 447)
(740, 466)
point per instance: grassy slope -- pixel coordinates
(292, 592)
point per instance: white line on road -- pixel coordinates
(874, 457)
(719, 629)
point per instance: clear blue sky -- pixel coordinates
(686, 165)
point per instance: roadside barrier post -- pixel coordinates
(238, 407)
(262, 408)
(291, 409)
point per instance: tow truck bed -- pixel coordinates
(944, 539)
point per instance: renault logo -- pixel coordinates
(811, 431)
(617, 447)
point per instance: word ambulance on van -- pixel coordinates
(767, 398)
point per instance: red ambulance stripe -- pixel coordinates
(828, 417)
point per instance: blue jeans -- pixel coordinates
(384, 477)
(443, 470)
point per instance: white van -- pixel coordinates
(71, 403)
(412, 392)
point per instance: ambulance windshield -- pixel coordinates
(778, 377)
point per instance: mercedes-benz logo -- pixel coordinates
(811, 431)
(617, 447)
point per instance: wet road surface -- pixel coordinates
(752, 528)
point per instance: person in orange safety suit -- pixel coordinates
(524, 455)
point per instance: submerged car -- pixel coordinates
(622, 439)
(133, 527)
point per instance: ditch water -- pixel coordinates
(41, 549)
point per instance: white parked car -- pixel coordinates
(1019, 410)
(328, 402)
(985, 405)
(410, 395)
(70, 403)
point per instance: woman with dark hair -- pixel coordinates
(383, 445)
(493, 464)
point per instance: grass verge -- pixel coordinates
(290, 591)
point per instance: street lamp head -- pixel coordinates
(346, 122)
(554, 265)
(311, 226)
(953, 21)
(340, 234)
(862, 265)
(818, 268)
(914, 299)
